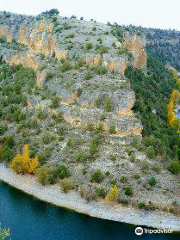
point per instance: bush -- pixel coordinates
(174, 167)
(136, 176)
(123, 201)
(82, 157)
(47, 138)
(97, 176)
(62, 172)
(55, 102)
(67, 184)
(100, 70)
(88, 46)
(88, 194)
(46, 175)
(123, 179)
(150, 152)
(152, 181)
(112, 129)
(3, 129)
(108, 106)
(66, 66)
(145, 165)
(87, 76)
(147, 207)
(101, 192)
(128, 191)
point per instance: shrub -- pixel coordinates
(66, 66)
(101, 192)
(102, 117)
(174, 167)
(123, 201)
(95, 143)
(3, 129)
(136, 176)
(174, 203)
(156, 168)
(108, 106)
(9, 141)
(145, 165)
(82, 157)
(152, 181)
(67, 184)
(79, 63)
(46, 175)
(47, 138)
(42, 159)
(123, 179)
(128, 191)
(55, 102)
(150, 152)
(6, 153)
(88, 194)
(100, 70)
(88, 46)
(147, 207)
(87, 76)
(112, 129)
(62, 172)
(97, 176)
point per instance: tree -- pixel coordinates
(112, 196)
(174, 167)
(22, 163)
(53, 11)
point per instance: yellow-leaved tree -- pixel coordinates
(22, 163)
(112, 196)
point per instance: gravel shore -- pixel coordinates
(53, 194)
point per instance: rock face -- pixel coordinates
(45, 39)
(41, 35)
(137, 46)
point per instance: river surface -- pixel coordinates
(31, 219)
(178, 114)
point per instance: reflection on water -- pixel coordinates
(30, 219)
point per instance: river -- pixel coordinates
(31, 219)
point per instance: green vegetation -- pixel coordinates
(152, 181)
(97, 176)
(152, 97)
(128, 191)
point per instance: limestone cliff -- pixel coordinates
(42, 36)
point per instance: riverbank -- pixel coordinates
(53, 195)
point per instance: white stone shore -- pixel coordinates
(52, 194)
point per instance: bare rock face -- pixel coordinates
(137, 46)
